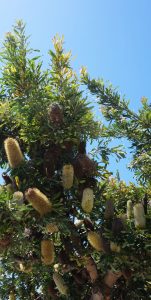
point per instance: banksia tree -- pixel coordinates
(68, 229)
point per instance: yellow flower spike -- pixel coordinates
(12, 296)
(95, 240)
(129, 209)
(87, 200)
(13, 152)
(47, 252)
(38, 200)
(60, 284)
(139, 216)
(67, 176)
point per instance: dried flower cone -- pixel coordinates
(13, 152)
(47, 252)
(51, 228)
(111, 278)
(91, 268)
(139, 216)
(12, 296)
(39, 201)
(109, 209)
(52, 291)
(5, 242)
(55, 114)
(117, 226)
(84, 166)
(60, 284)
(129, 209)
(95, 240)
(67, 176)
(87, 200)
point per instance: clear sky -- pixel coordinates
(111, 37)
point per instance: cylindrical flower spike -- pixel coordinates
(115, 247)
(109, 209)
(129, 209)
(13, 152)
(10, 188)
(12, 296)
(87, 200)
(95, 240)
(67, 176)
(39, 201)
(18, 197)
(139, 216)
(60, 284)
(47, 252)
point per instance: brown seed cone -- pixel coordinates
(13, 152)
(52, 159)
(6, 178)
(63, 258)
(39, 201)
(127, 273)
(81, 276)
(51, 290)
(111, 278)
(88, 224)
(5, 242)
(109, 210)
(67, 244)
(82, 147)
(117, 226)
(68, 146)
(95, 240)
(47, 252)
(92, 269)
(55, 114)
(84, 166)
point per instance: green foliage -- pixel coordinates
(123, 122)
(48, 114)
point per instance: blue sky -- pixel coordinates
(112, 38)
